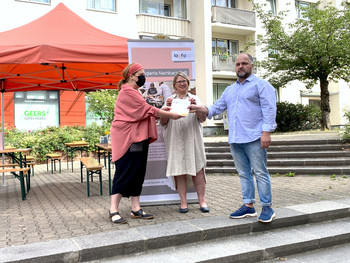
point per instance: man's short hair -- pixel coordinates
(249, 57)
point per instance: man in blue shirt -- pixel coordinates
(251, 107)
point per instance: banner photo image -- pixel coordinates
(162, 59)
(157, 187)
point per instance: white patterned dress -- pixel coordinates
(184, 144)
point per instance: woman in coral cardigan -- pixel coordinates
(133, 129)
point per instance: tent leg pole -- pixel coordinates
(3, 174)
(2, 130)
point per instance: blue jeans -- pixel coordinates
(249, 158)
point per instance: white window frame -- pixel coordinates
(45, 2)
(271, 7)
(228, 4)
(297, 7)
(228, 46)
(163, 8)
(97, 5)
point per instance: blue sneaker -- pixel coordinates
(267, 214)
(243, 211)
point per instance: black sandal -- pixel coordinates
(118, 219)
(140, 214)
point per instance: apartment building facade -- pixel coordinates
(220, 29)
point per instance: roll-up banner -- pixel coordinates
(162, 59)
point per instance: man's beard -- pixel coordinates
(243, 74)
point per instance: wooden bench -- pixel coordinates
(30, 162)
(53, 157)
(92, 167)
(19, 173)
(9, 165)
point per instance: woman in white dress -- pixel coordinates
(183, 138)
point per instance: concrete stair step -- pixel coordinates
(318, 147)
(274, 155)
(313, 154)
(307, 170)
(261, 243)
(289, 162)
(253, 247)
(284, 142)
(334, 254)
(287, 142)
(295, 229)
(294, 148)
(304, 157)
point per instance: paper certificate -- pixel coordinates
(180, 106)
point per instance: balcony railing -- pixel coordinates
(223, 63)
(227, 63)
(233, 16)
(150, 24)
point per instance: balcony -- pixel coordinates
(227, 63)
(171, 26)
(233, 16)
(223, 63)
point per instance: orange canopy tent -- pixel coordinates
(60, 50)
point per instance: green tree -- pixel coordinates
(313, 50)
(102, 103)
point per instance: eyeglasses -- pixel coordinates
(181, 81)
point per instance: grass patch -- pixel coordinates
(290, 174)
(275, 175)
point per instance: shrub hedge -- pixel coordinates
(297, 117)
(346, 134)
(53, 139)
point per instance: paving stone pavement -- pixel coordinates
(57, 205)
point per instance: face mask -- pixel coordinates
(141, 80)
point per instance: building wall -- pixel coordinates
(8, 110)
(15, 13)
(200, 12)
(72, 108)
(126, 21)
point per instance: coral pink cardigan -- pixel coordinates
(134, 121)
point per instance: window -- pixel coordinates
(36, 109)
(91, 117)
(299, 6)
(102, 5)
(218, 89)
(272, 53)
(315, 102)
(224, 3)
(157, 9)
(228, 47)
(170, 8)
(271, 7)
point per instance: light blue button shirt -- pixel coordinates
(251, 109)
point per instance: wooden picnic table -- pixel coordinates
(72, 147)
(22, 171)
(105, 148)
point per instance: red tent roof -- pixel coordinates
(60, 50)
